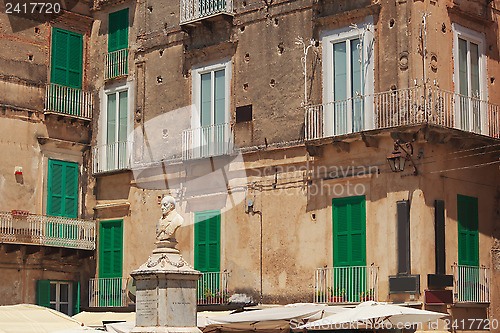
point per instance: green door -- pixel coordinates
(110, 262)
(207, 253)
(468, 244)
(62, 200)
(349, 249)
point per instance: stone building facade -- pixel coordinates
(47, 234)
(273, 124)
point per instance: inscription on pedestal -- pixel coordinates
(147, 303)
(181, 303)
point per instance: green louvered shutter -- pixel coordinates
(207, 241)
(66, 58)
(118, 30)
(76, 297)
(468, 236)
(349, 248)
(349, 231)
(62, 189)
(43, 293)
(111, 249)
(110, 262)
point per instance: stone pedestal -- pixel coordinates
(166, 292)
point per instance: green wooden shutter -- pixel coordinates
(76, 297)
(62, 189)
(207, 241)
(349, 231)
(43, 293)
(66, 58)
(468, 235)
(118, 30)
(110, 249)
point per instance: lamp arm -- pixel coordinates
(408, 155)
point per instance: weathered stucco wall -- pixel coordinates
(293, 242)
(28, 138)
(296, 213)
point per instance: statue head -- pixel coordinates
(167, 204)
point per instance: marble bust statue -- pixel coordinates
(169, 222)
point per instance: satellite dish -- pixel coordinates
(131, 288)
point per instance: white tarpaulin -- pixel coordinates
(125, 327)
(96, 319)
(125, 321)
(28, 318)
(271, 318)
(373, 314)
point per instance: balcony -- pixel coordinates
(471, 284)
(31, 229)
(207, 141)
(195, 10)
(68, 101)
(212, 288)
(116, 64)
(399, 108)
(111, 157)
(108, 292)
(346, 284)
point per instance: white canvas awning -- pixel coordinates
(28, 318)
(373, 314)
(272, 318)
(96, 319)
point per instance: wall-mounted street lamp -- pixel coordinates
(397, 160)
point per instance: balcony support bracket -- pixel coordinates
(370, 141)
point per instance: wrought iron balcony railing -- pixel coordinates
(116, 64)
(402, 107)
(44, 230)
(207, 141)
(471, 284)
(108, 292)
(212, 288)
(346, 284)
(194, 10)
(111, 157)
(68, 101)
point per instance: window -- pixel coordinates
(210, 129)
(470, 78)
(468, 236)
(66, 58)
(348, 78)
(116, 129)
(113, 150)
(62, 189)
(63, 296)
(207, 241)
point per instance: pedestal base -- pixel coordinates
(166, 292)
